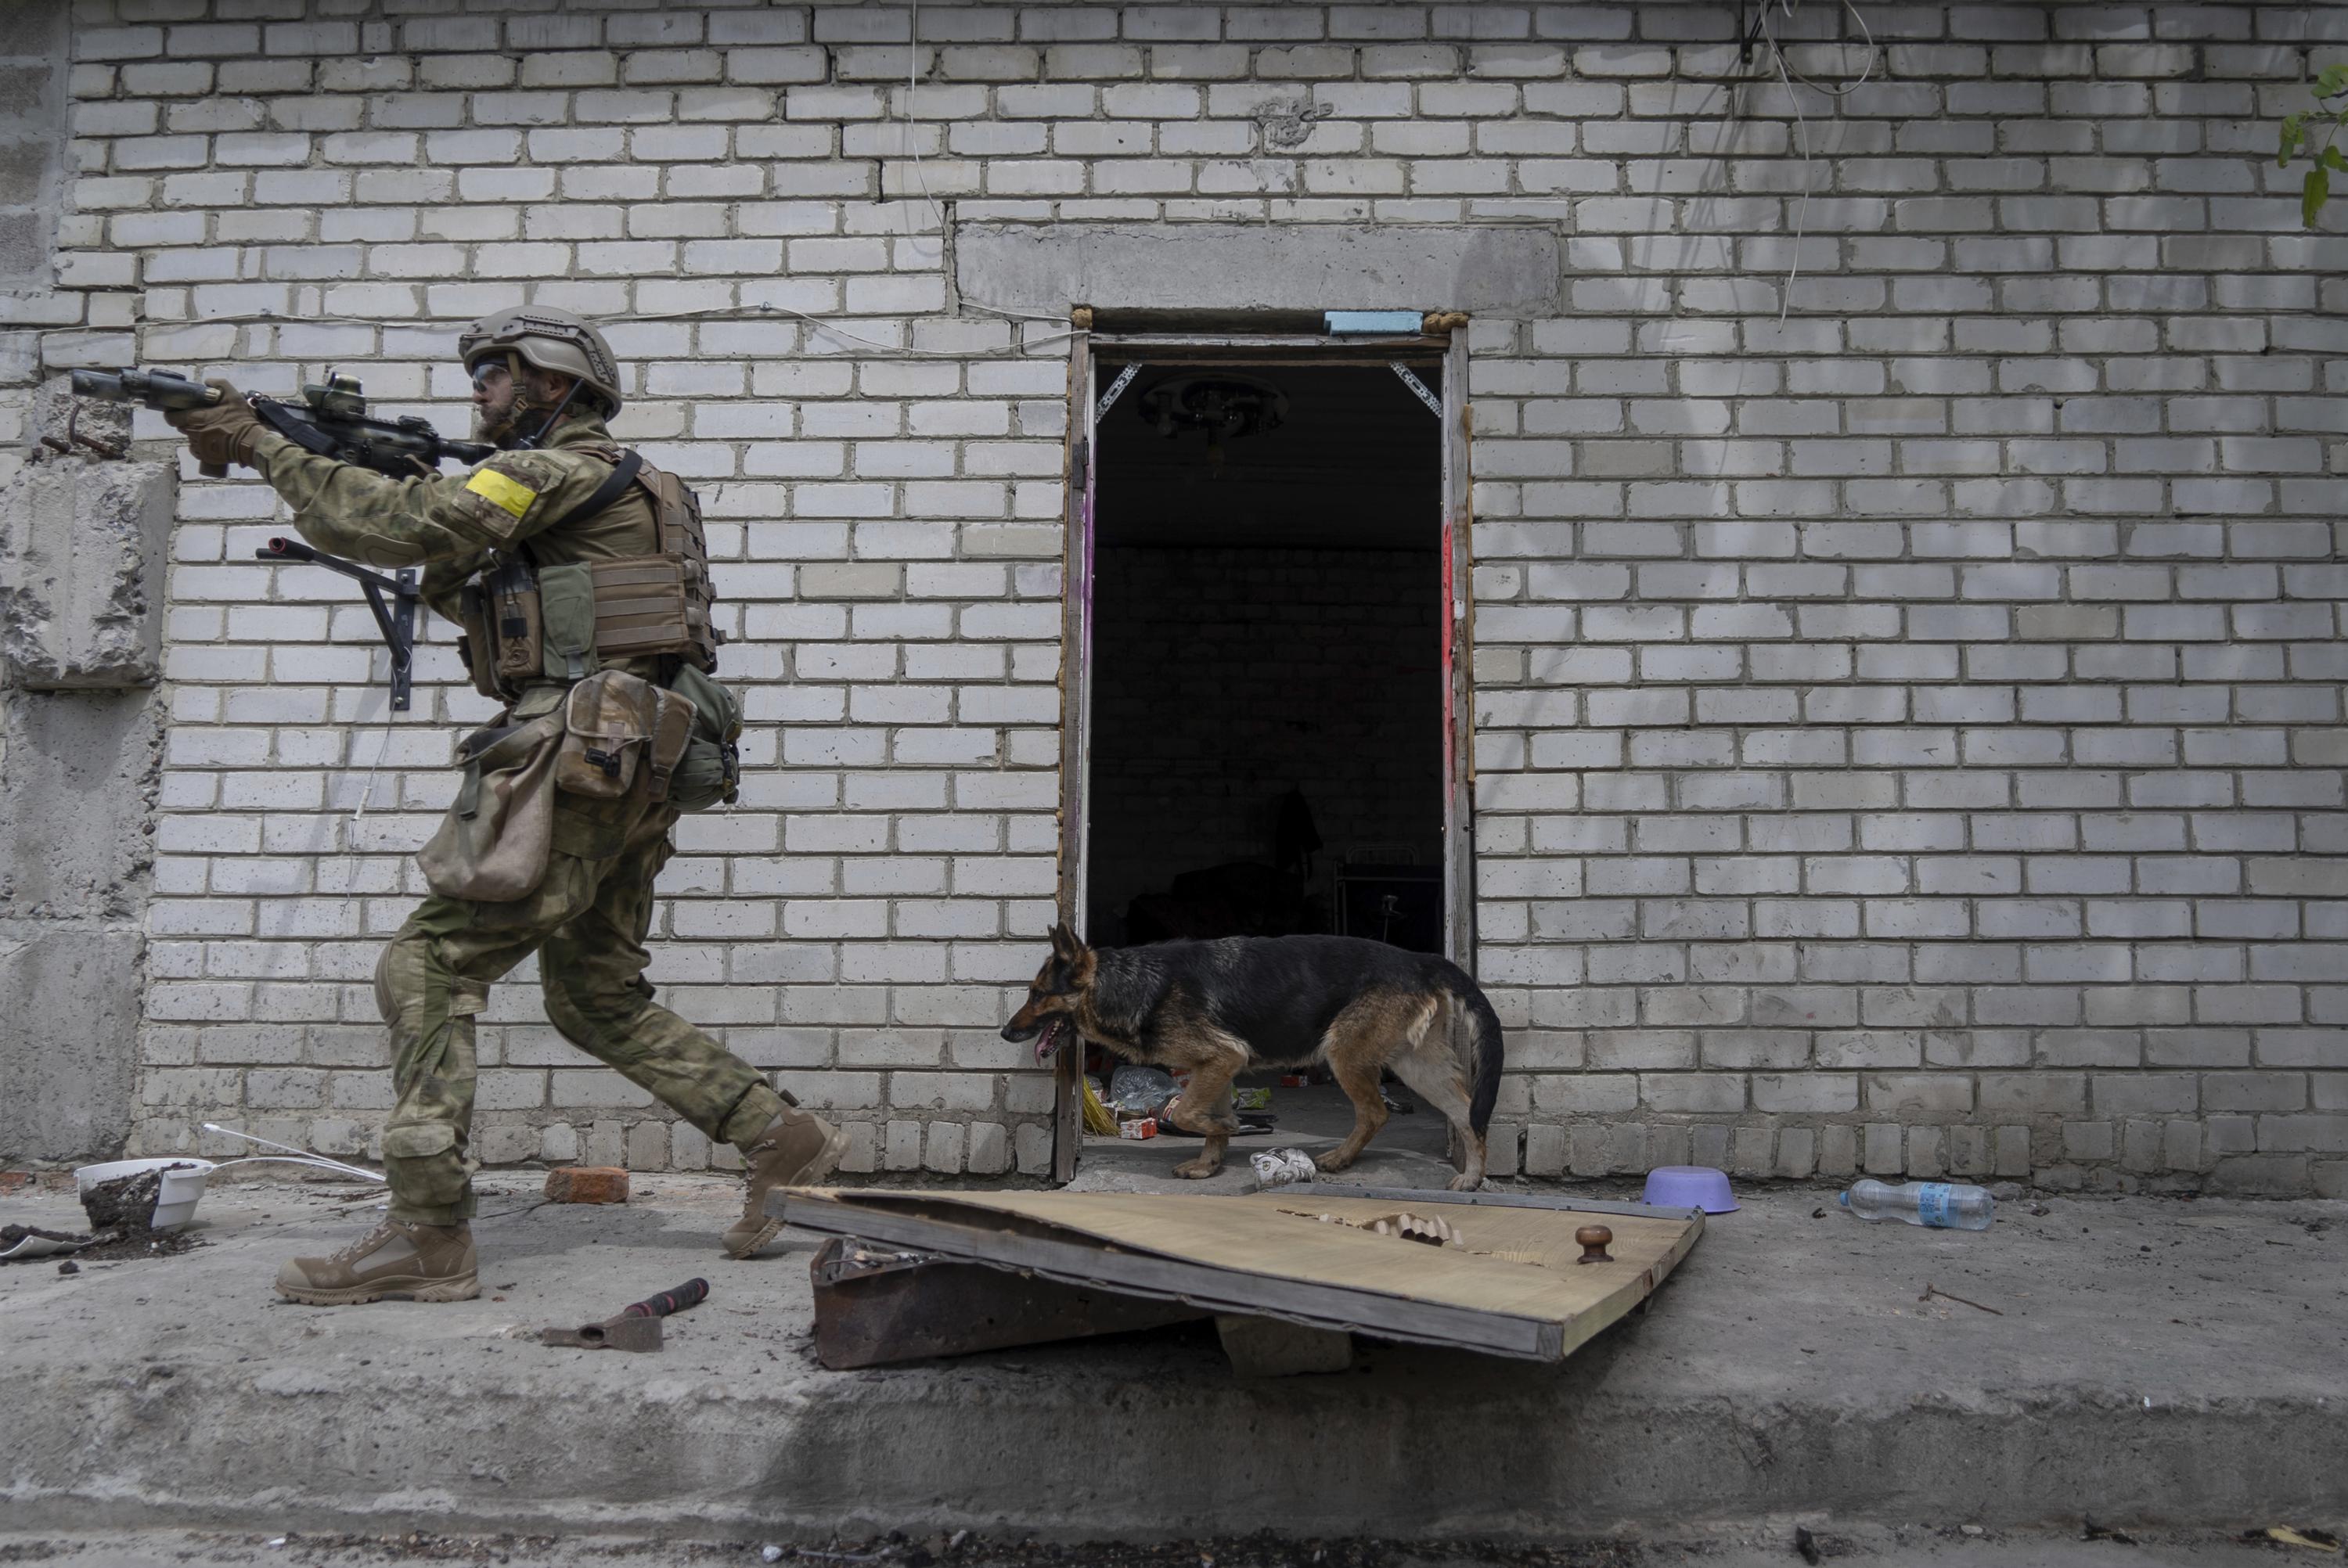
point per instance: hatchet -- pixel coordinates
(637, 1329)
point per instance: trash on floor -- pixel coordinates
(2284, 1536)
(1283, 1167)
(637, 1328)
(1141, 1091)
(910, 1275)
(1943, 1206)
(1097, 1119)
(586, 1185)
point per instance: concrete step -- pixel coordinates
(2152, 1362)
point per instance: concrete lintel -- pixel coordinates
(1494, 269)
(82, 550)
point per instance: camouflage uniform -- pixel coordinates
(587, 918)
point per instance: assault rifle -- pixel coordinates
(331, 420)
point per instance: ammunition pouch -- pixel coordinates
(617, 726)
(503, 640)
(566, 607)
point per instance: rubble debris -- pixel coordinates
(124, 1202)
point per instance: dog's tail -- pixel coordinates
(1484, 1031)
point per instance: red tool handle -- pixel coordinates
(692, 1293)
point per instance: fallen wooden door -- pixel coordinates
(1511, 1285)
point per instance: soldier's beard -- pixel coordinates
(494, 423)
(506, 425)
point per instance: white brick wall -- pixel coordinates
(1909, 733)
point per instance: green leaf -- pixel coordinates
(2286, 139)
(2312, 194)
(2332, 82)
(2332, 159)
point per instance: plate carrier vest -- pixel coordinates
(525, 623)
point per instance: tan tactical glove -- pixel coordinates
(224, 432)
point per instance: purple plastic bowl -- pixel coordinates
(1690, 1187)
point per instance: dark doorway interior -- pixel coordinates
(1267, 740)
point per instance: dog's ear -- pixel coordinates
(1065, 946)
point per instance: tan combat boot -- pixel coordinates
(797, 1151)
(397, 1260)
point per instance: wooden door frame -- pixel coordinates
(1086, 350)
(1076, 720)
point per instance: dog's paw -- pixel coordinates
(1331, 1161)
(1198, 1170)
(1467, 1183)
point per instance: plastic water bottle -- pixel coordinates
(1945, 1206)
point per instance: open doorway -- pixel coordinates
(1267, 686)
(1269, 679)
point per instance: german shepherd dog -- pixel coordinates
(1241, 1003)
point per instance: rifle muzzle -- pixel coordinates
(149, 388)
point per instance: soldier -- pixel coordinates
(513, 550)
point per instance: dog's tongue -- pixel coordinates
(1047, 1041)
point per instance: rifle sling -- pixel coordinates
(606, 493)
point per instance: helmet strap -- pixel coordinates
(546, 427)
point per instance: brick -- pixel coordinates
(587, 1185)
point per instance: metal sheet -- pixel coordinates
(873, 1307)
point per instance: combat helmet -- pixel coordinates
(551, 338)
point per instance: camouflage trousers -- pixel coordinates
(587, 922)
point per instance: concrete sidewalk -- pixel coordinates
(2157, 1363)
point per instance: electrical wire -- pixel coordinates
(921, 173)
(1786, 78)
(707, 313)
(367, 790)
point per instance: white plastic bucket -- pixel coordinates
(175, 1205)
